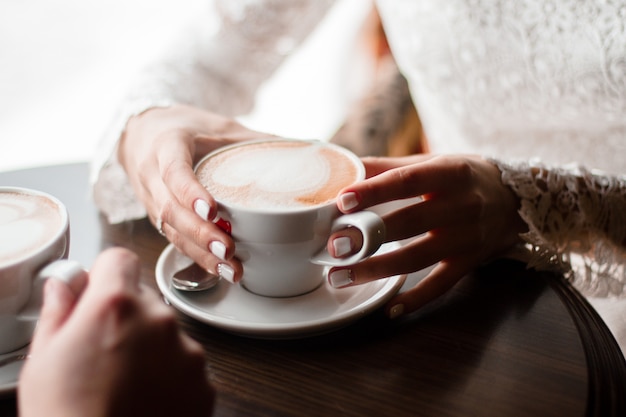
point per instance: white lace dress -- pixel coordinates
(539, 86)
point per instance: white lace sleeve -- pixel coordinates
(214, 67)
(576, 220)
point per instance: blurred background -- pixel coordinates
(65, 64)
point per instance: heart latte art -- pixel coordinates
(277, 175)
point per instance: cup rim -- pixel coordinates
(53, 239)
(284, 211)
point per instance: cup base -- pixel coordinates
(281, 295)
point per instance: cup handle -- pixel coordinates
(372, 228)
(66, 270)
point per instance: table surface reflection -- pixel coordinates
(506, 341)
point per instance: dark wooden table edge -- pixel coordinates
(605, 360)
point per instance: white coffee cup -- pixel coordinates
(278, 197)
(34, 245)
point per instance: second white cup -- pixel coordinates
(34, 233)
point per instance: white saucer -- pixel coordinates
(10, 373)
(236, 310)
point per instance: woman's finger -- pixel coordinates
(186, 227)
(204, 242)
(422, 252)
(377, 165)
(440, 174)
(429, 214)
(176, 171)
(216, 261)
(115, 271)
(439, 281)
(59, 301)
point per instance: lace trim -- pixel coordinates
(577, 223)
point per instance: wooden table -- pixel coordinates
(505, 342)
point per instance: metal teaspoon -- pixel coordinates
(194, 278)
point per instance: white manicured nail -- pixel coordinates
(348, 201)
(396, 311)
(342, 246)
(226, 272)
(340, 278)
(202, 209)
(218, 249)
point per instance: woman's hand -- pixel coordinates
(114, 350)
(158, 151)
(465, 217)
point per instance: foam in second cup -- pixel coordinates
(277, 175)
(27, 222)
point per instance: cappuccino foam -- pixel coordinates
(27, 223)
(277, 175)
